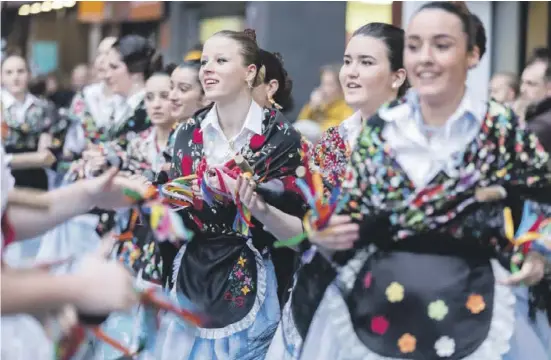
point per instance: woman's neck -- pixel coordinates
(438, 112)
(370, 108)
(19, 97)
(233, 113)
(162, 133)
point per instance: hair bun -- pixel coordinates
(250, 33)
(279, 57)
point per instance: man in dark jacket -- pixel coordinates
(535, 89)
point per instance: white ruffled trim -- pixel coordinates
(248, 320)
(496, 344)
(290, 331)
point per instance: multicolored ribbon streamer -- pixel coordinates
(528, 236)
(321, 208)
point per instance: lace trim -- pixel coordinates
(349, 346)
(248, 319)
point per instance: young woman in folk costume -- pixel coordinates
(432, 182)
(129, 62)
(186, 94)
(31, 123)
(139, 251)
(372, 74)
(225, 272)
(95, 104)
(98, 287)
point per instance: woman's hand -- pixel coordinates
(103, 286)
(107, 190)
(530, 273)
(340, 234)
(249, 197)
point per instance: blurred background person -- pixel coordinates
(535, 96)
(327, 106)
(504, 88)
(80, 77)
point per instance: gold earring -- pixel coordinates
(274, 104)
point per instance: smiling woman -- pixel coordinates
(226, 271)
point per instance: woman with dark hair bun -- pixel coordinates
(276, 89)
(372, 75)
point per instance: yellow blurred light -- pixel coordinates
(46, 6)
(57, 4)
(36, 8)
(24, 10)
(69, 3)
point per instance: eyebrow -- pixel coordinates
(361, 56)
(435, 37)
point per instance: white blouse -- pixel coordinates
(421, 156)
(218, 149)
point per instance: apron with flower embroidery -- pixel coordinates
(219, 269)
(421, 283)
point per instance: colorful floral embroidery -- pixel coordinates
(475, 304)
(445, 346)
(274, 154)
(395, 292)
(40, 117)
(438, 310)
(331, 155)
(379, 325)
(240, 283)
(407, 343)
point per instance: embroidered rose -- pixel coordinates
(438, 310)
(239, 301)
(407, 343)
(445, 346)
(379, 325)
(187, 165)
(257, 141)
(395, 292)
(197, 136)
(475, 304)
(367, 280)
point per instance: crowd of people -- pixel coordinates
(173, 212)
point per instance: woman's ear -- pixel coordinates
(250, 74)
(273, 86)
(398, 78)
(473, 57)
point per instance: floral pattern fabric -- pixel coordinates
(40, 117)
(331, 156)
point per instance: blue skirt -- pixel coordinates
(179, 341)
(131, 329)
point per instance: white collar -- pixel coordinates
(253, 121)
(411, 110)
(8, 100)
(350, 128)
(134, 100)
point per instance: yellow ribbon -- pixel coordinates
(510, 230)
